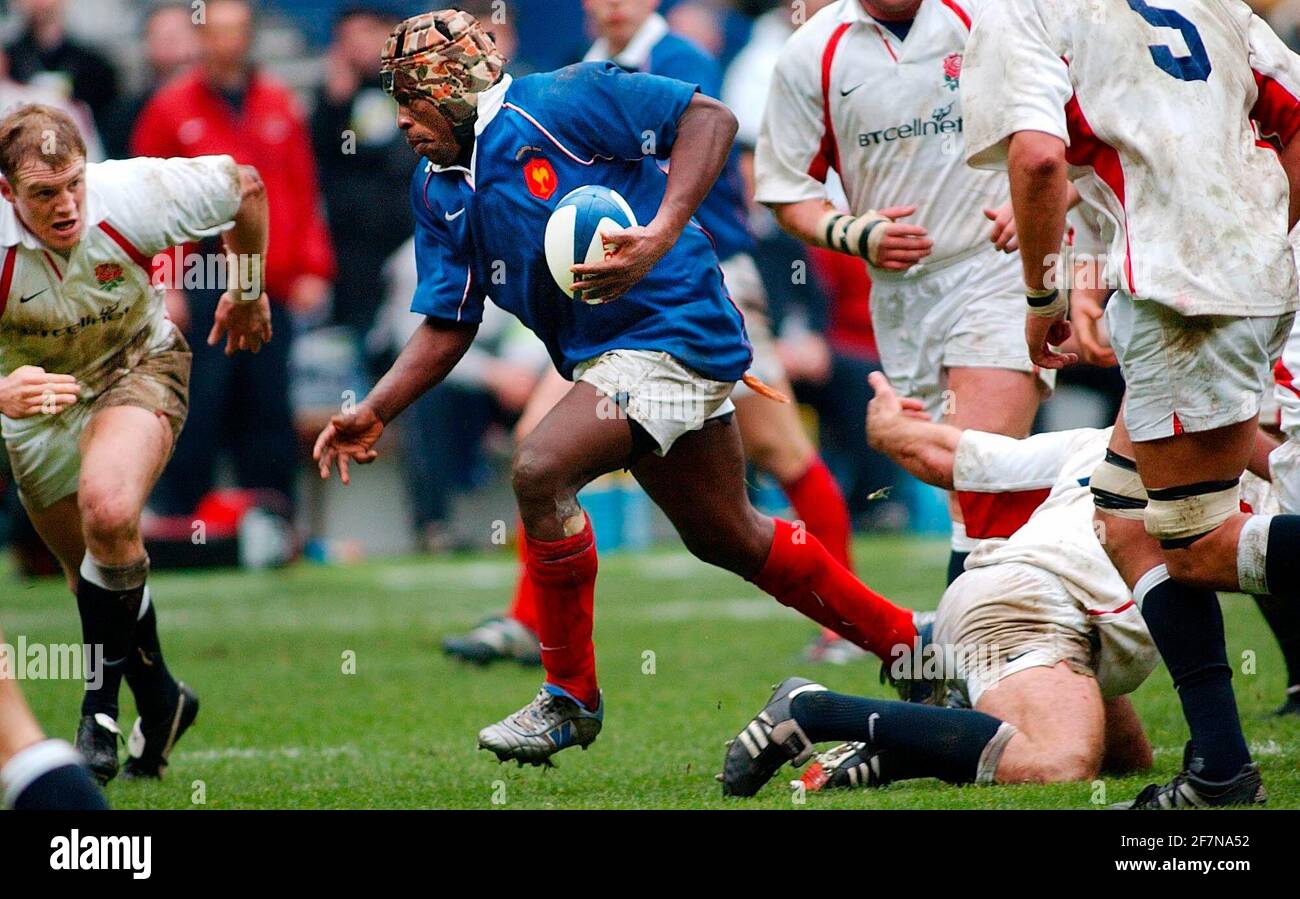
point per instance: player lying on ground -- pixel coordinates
(36, 773)
(654, 364)
(870, 88)
(96, 380)
(1207, 295)
(1041, 629)
(637, 38)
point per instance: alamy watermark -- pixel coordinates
(53, 661)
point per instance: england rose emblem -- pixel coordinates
(109, 275)
(952, 70)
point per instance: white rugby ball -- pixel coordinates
(573, 232)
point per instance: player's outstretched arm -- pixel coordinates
(432, 352)
(705, 131)
(244, 313)
(899, 428)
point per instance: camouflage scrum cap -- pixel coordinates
(444, 55)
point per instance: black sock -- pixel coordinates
(108, 619)
(49, 776)
(1186, 624)
(70, 788)
(152, 684)
(1283, 548)
(918, 740)
(1283, 616)
(956, 564)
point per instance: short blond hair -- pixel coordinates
(33, 130)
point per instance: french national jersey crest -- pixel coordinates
(539, 175)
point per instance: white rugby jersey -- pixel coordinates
(1165, 108)
(886, 115)
(1059, 537)
(97, 311)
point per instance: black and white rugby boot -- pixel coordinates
(1187, 790)
(151, 742)
(770, 740)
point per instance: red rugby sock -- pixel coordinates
(563, 575)
(802, 574)
(820, 505)
(524, 606)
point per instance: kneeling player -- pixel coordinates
(95, 385)
(1046, 635)
(654, 364)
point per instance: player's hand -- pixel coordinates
(31, 390)
(887, 409)
(348, 437)
(1086, 311)
(635, 251)
(901, 246)
(1042, 333)
(1003, 235)
(245, 323)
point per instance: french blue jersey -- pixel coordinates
(654, 49)
(479, 230)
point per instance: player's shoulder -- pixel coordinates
(558, 84)
(804, 48)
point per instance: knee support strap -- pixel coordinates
(1116, 488)
(1179, 516)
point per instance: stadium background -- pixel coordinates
(419, 545)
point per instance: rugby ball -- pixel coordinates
(573, 232)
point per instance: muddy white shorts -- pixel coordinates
(45, 450)
(969, 313)
(657, 392)
(1005, 618)
(748, 293)
(1191, 373)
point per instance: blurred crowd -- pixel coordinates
(292, 87)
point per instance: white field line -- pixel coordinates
(264, 754)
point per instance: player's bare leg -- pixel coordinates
(123, 451)
(573, 444)
(1061, 721)
(1174, 583)
(996, 400)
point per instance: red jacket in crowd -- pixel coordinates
(190, 118)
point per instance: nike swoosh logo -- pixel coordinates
(451, 217)
(1019, 655)
(33, 296)
(845, 93)
(871, 725)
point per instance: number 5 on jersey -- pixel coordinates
(1193, 67)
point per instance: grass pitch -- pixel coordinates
(686, 655)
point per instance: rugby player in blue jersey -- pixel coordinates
(653, 363)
